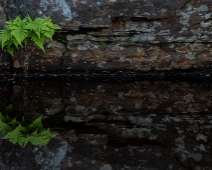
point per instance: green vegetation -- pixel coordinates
(19, 32)
(23, 132)
(103, 43)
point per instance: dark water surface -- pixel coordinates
(113, 125)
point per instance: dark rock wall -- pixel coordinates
(112, 125)
(115, 98)
(120, 34)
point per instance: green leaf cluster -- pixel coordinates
(22, 133)
(19, 32)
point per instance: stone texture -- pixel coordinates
(114, 125)
(84, 98)
(121, 34)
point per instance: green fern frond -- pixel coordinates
(8, 23)
(48, 34)
(5, 36)
(17, 20)
(26, 40)
(15, 42)
(14, 136)
(8, 109)
(48, 21)
(5, 119)
(39, 41)
(8, 43)
(4, 127)
(28, 18)
(47, 134)
(21, 133)
(56, 27)
(36, 124)
(23, 142)
(18, 32)
(11, 50)
(40, 25)
(40, 139)
(14, 123)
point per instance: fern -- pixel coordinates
(11, 50)
(37, 138)
(37, 124)
(38, 40)
(19, 32)
(8, 109)
(22, 132)
(4, 128)
(5, 37)
(16, 136)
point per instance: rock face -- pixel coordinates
(110, 125)
(120, 34)
(84, 98)
(114, 125)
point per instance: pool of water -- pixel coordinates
(113, 124)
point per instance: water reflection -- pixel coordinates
(114, 98)
(146, 124)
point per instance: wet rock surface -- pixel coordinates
(113, 98)
(109, 125)
(114, 125)
(120, 34)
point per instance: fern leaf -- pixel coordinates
(11, 50)
(29, 19)
(56, 27)
(15, 42)
(38, 24)
(23, 122)
(37, 124)
(4, 128)
(9, 109)
(23, 141)
(49, 23)
(26, 40)
(8, 23)
(16, 132)
(5, 119)
(5, 36)
(17, 20)
(14, 123)
(19, 34)
(40, 139)
(33, 138)
(8, 43)
(38, 41)
(48, 34)
(14, 136)
(47, 133)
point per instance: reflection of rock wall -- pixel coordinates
(152, 125)
(121, 34)
(112, 99)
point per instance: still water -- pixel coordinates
(118, 125)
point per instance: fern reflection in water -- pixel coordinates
(22, 132)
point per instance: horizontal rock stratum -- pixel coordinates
(118, 34)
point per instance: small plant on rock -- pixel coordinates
(22, 132)
(19, 32)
